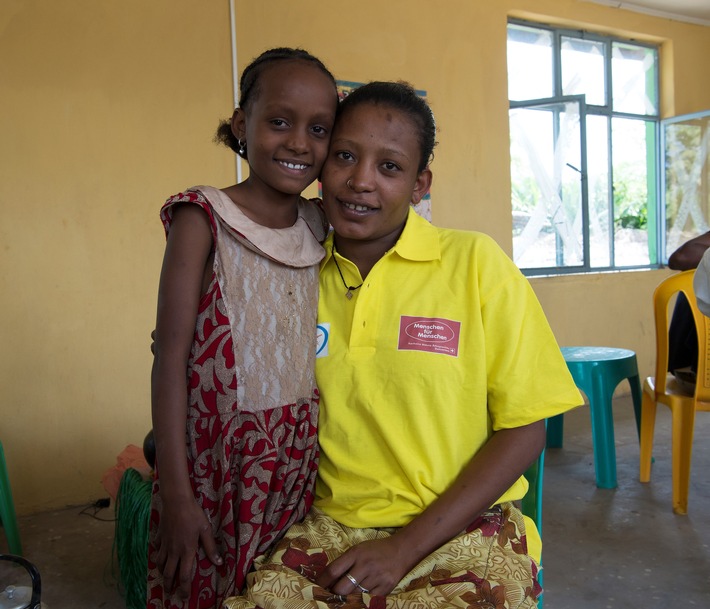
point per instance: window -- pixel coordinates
(686, 177)
(584, 128)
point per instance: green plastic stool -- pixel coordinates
(7, 509)
(532, 505)
(597, 371)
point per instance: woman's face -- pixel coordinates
(371, 175)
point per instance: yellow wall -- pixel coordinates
(106, 108)
(109, 107)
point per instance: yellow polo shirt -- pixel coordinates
(444, 343)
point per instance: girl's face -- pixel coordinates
(287, 126)
(371, 175)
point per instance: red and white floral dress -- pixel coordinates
(252, 398)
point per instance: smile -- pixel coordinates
(355, 206)
(288, 165)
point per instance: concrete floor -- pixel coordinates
(604, 549)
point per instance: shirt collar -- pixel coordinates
(418, 242)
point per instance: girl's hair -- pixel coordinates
(398, 96)
(249, 86)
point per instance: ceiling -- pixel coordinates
(692, 11)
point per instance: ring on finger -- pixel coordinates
(356, 583)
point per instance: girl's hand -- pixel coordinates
(183, 526)
(377, 565)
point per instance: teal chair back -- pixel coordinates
(532, 503)
(8, 519)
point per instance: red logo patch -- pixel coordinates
(430, 334)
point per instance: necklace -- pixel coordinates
(351, 288)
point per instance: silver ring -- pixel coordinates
(348, 184)
(356, 583)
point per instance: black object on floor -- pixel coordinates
(22, 597)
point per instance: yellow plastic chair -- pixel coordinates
(664, 389)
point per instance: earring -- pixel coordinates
(242, 146)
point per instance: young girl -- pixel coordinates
(234, 400)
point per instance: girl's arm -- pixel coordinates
(379, 565)
(183, 523)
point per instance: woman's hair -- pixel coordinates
(249, 86)
(399, 96)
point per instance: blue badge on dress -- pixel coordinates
(322, 335)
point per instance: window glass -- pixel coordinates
(687, 178)
(599, 190)
(546, 177)
(583, 69)
(633, 154)
(529, 63)
(633, 79)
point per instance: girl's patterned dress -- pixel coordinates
(252, 398)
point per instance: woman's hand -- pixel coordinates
(377, 565)
(183, 526)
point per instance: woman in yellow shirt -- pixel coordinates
(436, 369)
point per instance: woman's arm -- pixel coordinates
(183, 523)
(380, 564)
(688, 255)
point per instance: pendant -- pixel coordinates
(349, 294)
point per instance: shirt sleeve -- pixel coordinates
(189, 196)
(528, 379)
(701, 284)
